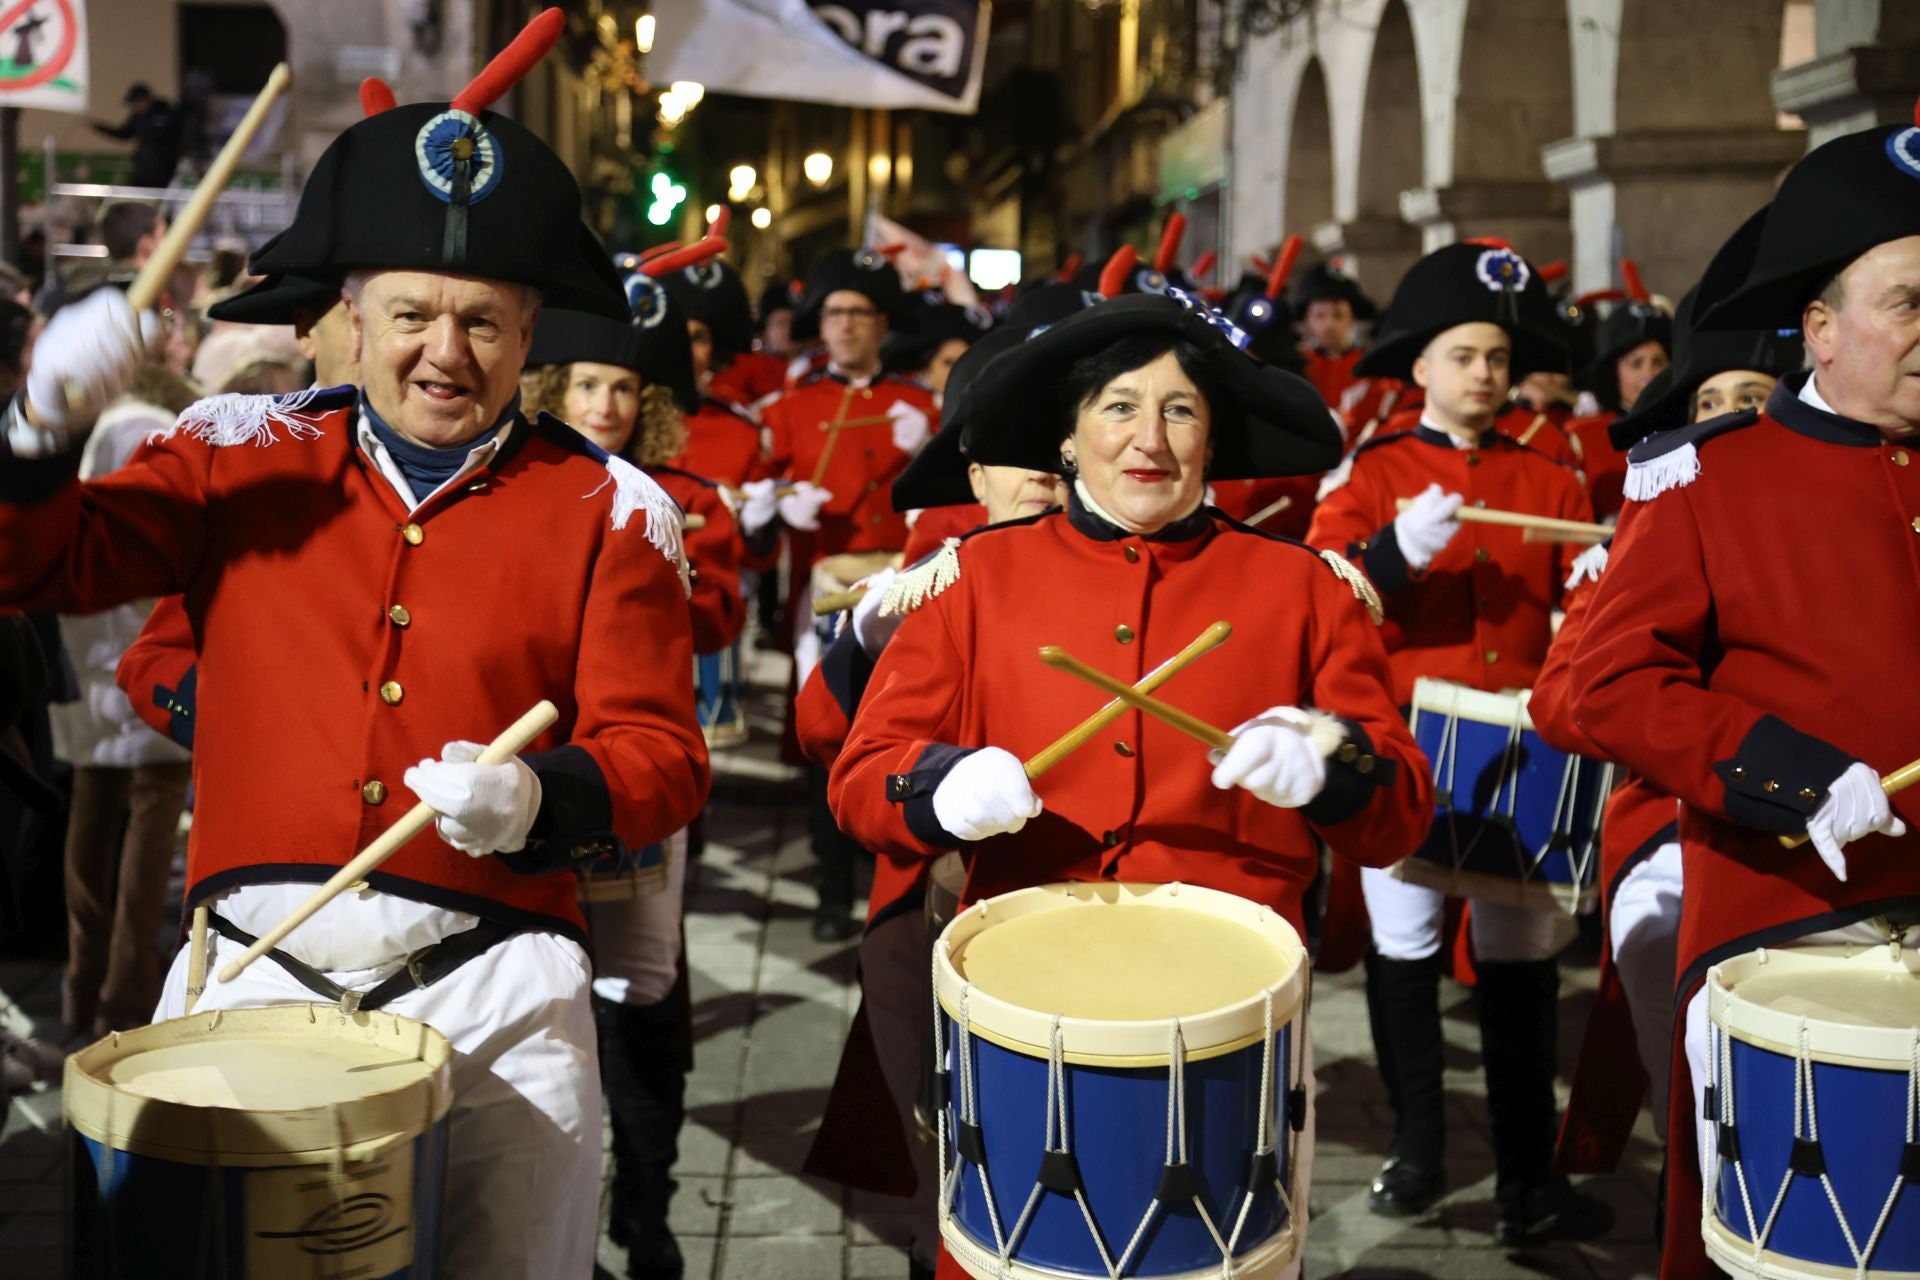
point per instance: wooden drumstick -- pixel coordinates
(835, 601)
(1590, 537)
(502, 749)
(694, 523)
(1271, 510)
(1519, 520)
(1894, 783)
(197, 957)
(1078, 736)
(1191, 725)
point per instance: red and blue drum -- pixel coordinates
(1120, 1093)
(720, 696)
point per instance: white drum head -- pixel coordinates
(1858, 1006)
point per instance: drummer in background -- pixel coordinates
(1635, 342)
(713, 299)
(372, 576)
(1145, 393)
(942, 333)
(1279, 504)
(1717, 372)
(776, 322)
(839, 480)
(623, 386)
(1331, 307)
(1471, 605)
(1732, 665)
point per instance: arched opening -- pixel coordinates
(1309, 171)
(1391, 155)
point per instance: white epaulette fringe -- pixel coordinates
(235, 418)
(634, 490)
(1671, 470)
(1335, 478)
(1363, 590)
(1589, 566)
(915, 586)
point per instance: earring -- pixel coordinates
(1069, 466)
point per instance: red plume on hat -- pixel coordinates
(1283, 267)
(511, 63)
(1554, 272)
(1168, 254)
(1630, 280)
(1113, 276)
(677, 259)
(1070, 268)
(376, 95)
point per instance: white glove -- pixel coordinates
(484, 808)
(760, 507)
(870, 627)
(1856, 806)
(1273, 757)
(801, 508)
(1427, 526)
(910, 426)
(986, 794)
(84, 360)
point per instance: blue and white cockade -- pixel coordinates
(1502, 269)
(446, 140)
(1903, 148)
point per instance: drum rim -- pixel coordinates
(1840, 1043)
(1734, 1252)
(1106, 1042)
(1264, 1260)
(1447, 697)
(190, 1133)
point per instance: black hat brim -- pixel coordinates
(1392, 355)
(1274, 424)
(936, 477)
(277, 300)
(661, 355)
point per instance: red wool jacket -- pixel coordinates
(1136, 802)
(1606, 466)
(723, 445)
(749, 377)
(343, 639)
(1738, 667)
(1479, 614)
(713, 552)
(864, 463)
(1330, 375)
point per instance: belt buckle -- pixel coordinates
(350, 1002)
(413, 965)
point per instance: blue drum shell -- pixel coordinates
(1118, 1133)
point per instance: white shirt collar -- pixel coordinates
(1452, 439)
(479, 456)
(1810, 394)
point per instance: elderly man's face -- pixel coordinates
(1866, 351)
(440, 355)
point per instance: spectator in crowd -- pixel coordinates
(153, 127)
(130, 230)
(15, 285)
(269, 376)
(19, 327)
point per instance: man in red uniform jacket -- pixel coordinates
(1330, 303)
(1745, 676)
(1468, 603)
(375, 577)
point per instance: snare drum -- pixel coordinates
(624, 874)
(295, 1141)
(1088, 1031)
(1515, 820)
(1814, 1058)
(720, 696)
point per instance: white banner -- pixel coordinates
(854, 53)
(43, 54)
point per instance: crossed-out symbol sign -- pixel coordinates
(21, 34)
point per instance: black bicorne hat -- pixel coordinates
(277, 300)
(1839, 201)
(713, 293)
(937, 475)
(1273, 424)
(936, 322)
(653, 343)
(1467, 283)
(1699, 354)
(864, 271)
(1268, 321)
(1325, 282)
(1628, 325)
(452, 188)
(778, 296)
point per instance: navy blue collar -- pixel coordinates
(425, 467)
(1102, 530)
(1442, 440)
(1786, 407)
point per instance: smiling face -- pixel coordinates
(602, 403)
(440, 354)
(1864, 336)
(1141, 443)
(1465, 372)
(1637, 368)
(1014, 493)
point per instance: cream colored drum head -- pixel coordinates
(266, 1075)
(1857, 1006)
(1116, 966)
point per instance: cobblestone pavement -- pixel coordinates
(770, 1009)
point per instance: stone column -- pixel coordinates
(1531, 216)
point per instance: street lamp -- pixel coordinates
(713, 214)
(688, 91)
(740, 180)
(643, 33)
(762, 219)
(818, 167)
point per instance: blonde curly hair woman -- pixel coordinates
(614, 407)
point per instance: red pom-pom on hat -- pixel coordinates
(376, 95)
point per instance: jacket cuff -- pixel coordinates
(1354, 773)
(913, 792)
(179, 705)
(1779, 776)
(846, 669)
(25, 482)
(1383, 560)
(575, 822)
(765, 540)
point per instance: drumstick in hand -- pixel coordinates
(1078, 736)
(1894, 783)
(1269, 511)
(835, 601)
(1191, 725)
(1520, 520)
(502, 749)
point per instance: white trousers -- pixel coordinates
(1643, 925)
(1862, 933)
(636, 942)
(523, 1147)
(1406, 921)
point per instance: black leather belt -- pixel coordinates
(423, 968)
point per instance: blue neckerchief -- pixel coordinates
(425, 467)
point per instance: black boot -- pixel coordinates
(1517, 1001)
(1403, 1005)
(837, 855)
(646, 1090)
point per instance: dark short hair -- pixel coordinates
(1086, 376)
(123, 224)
